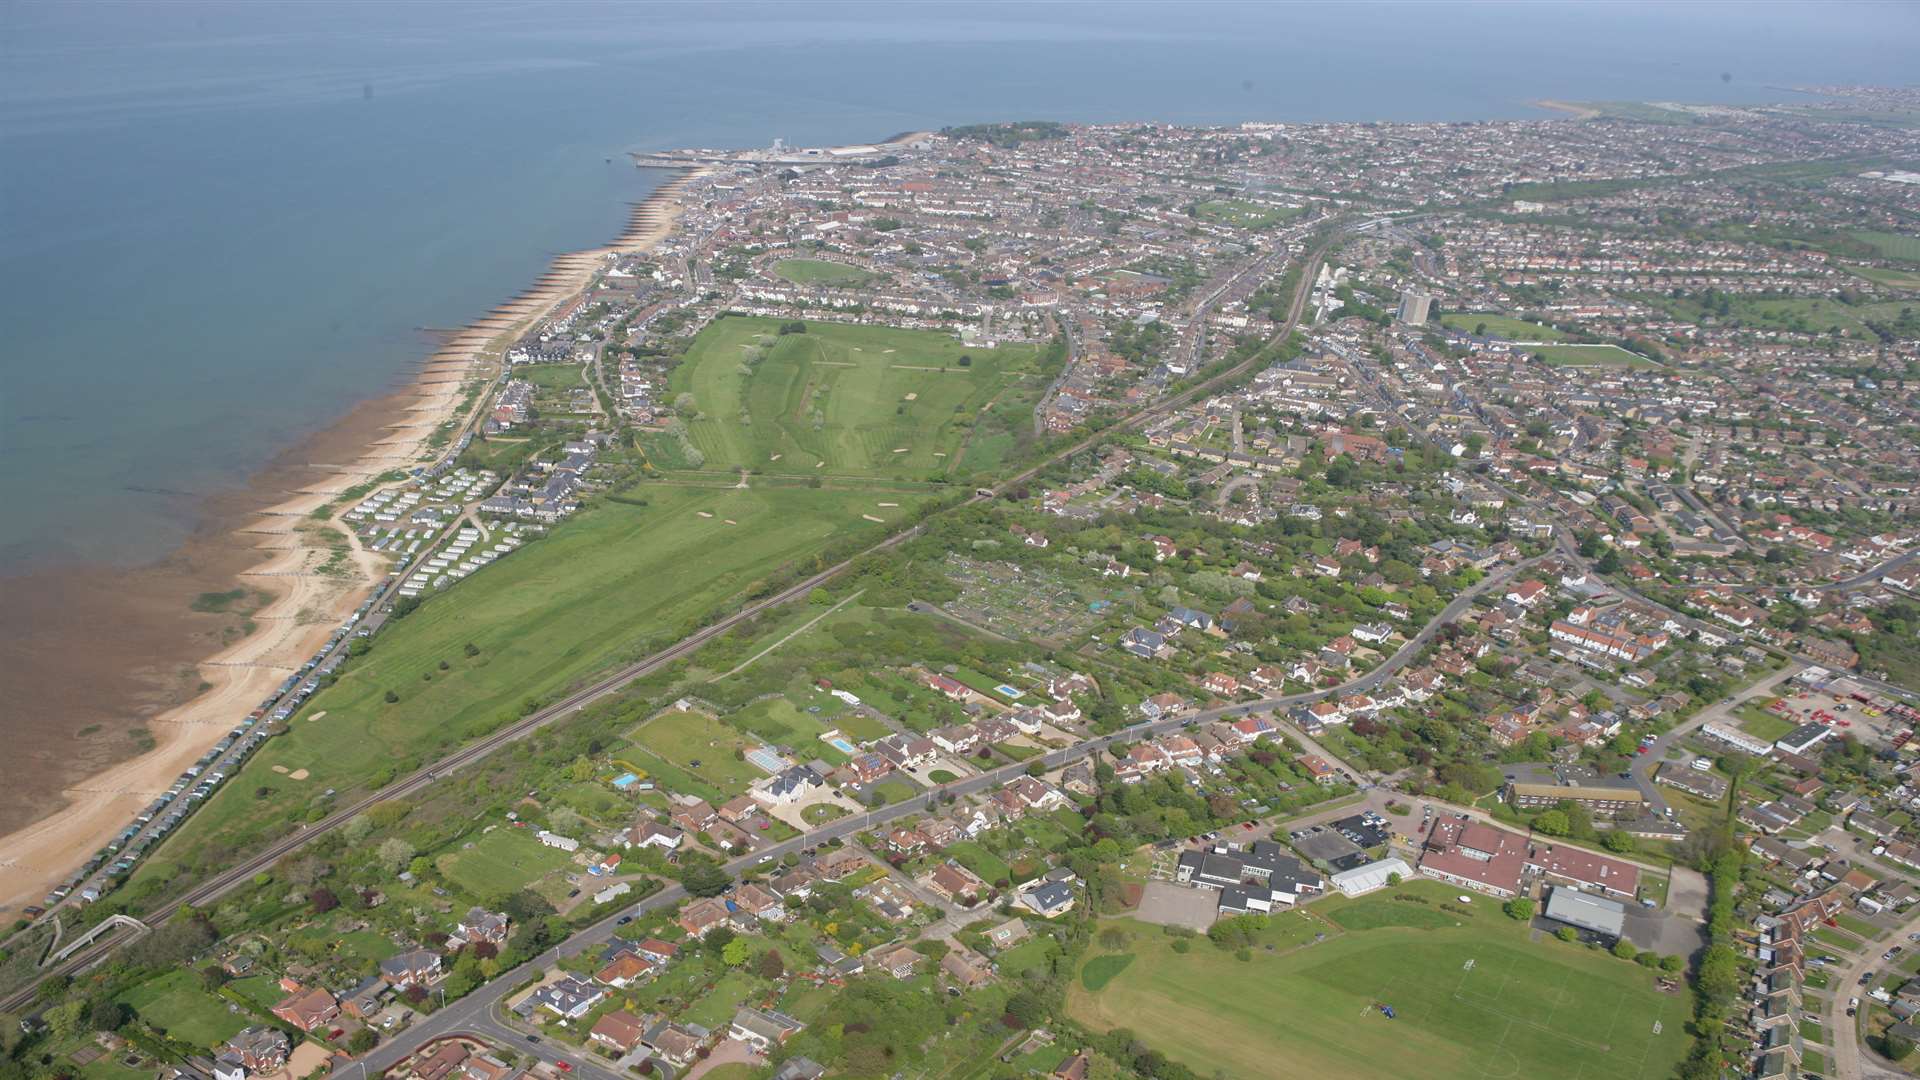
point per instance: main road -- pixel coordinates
(218, 885)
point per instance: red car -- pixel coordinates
(563, 1066)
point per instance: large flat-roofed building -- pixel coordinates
(1803, 738)
(1583, 911)
(1535, 787)
(1584, 870)
(1474, 855)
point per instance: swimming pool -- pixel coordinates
(843, 746)
(1009, 692)
(625, 781)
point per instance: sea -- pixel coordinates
(224, 224)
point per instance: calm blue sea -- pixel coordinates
(221, 225)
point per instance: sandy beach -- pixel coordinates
(129, 684)
(1578, 112)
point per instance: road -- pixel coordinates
(1645, 764)
(220, 884)
(1842, 1031)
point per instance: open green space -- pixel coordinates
(552, 379)
(1500, 326)
(1591, 356)
(1895, 279)
(176, 1004)
(1245, 213)
(858, 401)
(1474, 1001)
(501, 862)
(1898, 246)
(1762, 724)
(990, 867)
(693, 753)
(1792, 314)
(822, 272)
(619, 579)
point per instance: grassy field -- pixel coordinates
(1894, 279)
(845, 400)
(501, 862)
(1795, 314)
(552, 378)
(1306, 1008)
(822, 272)
(1245, 214)
(603, 589)
(1591, 356)
(680, 745)
(1897, 246)
(1502, 327)
(176, 1004)
(1762, 724)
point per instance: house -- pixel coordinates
(569, 998)
(898, 961)
(693, 815)
(788, 786)
(619, 1029)
(703, 915)
(415, 967)
(479, 925)
(758, 902)
(956, 883)
(261, 1049)
(966, 968)
(1036, 793)
(763, 1029)
(624, 970)
(308, 1009)
(1319, 769)
(1008, 934)
(1048, 899)
(800, 1068)
(446, 1057)
(652, 834)
(678, 1044)
(660, 952)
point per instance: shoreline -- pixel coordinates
(1577, 111)
(113, 651)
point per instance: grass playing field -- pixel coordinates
(603, 588)
(846, 400)
(821, 272)
(1591, 356)
(1895, 279)
(1245, 214)
(1501, 326)
(1898, 246)
(694, 753)
(1477, 1001)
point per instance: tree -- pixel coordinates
(772, 964)
(323, 900)
(1624, 949)
(356, 829)
(1899, 1048)
(704, 877)
(394, 853)
(1618, 840)
(65, 1018)
(1520, 908)
(106, 1014)
(734, 953)
(1567, 933)
(1673, 964)
(1552, 823)
(1393, 878)
(362, 1040)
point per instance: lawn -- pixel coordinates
(680, 745)
(1591, 356)
(1245, 213)
(822, 272)
(971, 855)
(262, 990)
(1473, 1002)
(1501, 326)
(502, 862)
(850, 401)
(1895, 279)
(176, 1004)
(551, 379)
(605, 587)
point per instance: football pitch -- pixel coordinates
(1478, 1001)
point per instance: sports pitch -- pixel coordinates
(1591, 356)
(1472, 1002)
(848, 400)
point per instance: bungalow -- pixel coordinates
(944, 686)
(1219, 682)
(479, 925)
(703, 915)
(677, 1044)
(260, 1048)
(1036, 793)
(620, 1030)
(763, 1029)
(625, 970)
(898, 961)
(956, 883)
(652, 834)
(1045, 898)
(660, 952)
(966, 968)
(759, 903)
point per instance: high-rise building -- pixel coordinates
(1414, 305)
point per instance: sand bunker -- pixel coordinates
(298, 774)
(316, 716)
(281, 769)
(870, 517)
(889, 504)
(703, 513)
(913, 397)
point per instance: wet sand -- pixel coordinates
(115, 684)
